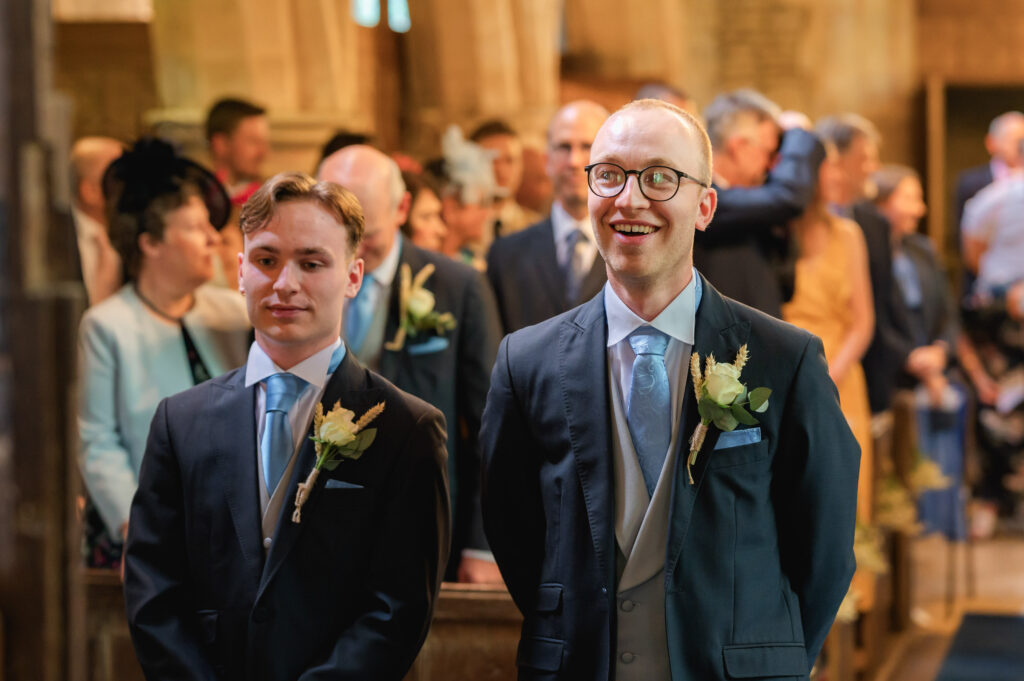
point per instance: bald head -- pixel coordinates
(90, 157)
(376, 181)
(1004, 138)
(571, 133)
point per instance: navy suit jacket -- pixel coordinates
(453, 378)
(345, 594)
(760, 548)
(527, 280)
(745, 251)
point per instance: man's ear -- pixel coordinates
(404, 206)
(355, 278)
(218, 145)
(241, 260)
(147, 243)
(706, 208)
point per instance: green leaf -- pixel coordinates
(759, 399)
(743, 416)
(704, 409)
(365, 438)
(331, 463)
(726, 421)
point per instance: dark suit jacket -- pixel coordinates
(345, 594)
(884, 359)
(454, 379)
(760, 550)
(745, 251)
(527, 280)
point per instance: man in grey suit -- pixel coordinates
(449, 368)
(553, 265)
(629, 556)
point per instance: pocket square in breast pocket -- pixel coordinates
(431, 345)
(737, 438)
(341, 484)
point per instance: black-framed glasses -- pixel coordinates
(657, 183)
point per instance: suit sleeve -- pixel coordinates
(815, 496)
(512, 509)
(785, 193)
(406, 566)
(478, 346)
(163, 628)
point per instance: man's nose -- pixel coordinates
(287, 279)
(631, 196)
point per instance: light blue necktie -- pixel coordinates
(359, 316)
(650, 413)
(276, 445)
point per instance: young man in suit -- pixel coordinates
(221, 581)
(449, 368)
(623, 566)
(553, 265)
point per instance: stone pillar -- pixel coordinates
(306, 61)
(468, 60)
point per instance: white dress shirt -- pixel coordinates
(563, 224)
(313, 370)
(993, 215)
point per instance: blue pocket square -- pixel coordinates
(341, 484)
(435, 344)
(737, 438)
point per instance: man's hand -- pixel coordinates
(927, 360)
(479, 571)
(936, 385)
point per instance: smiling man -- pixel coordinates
(221, 580)
(625, 561)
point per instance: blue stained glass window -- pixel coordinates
(398, 16)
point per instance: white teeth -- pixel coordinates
(634, 229)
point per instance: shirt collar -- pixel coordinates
(677, 320)
(312, 370)
(562, 224)
(384, 274)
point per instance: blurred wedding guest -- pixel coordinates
(933, 321)
(468, 191)
(832, 300)
(764, 178)
(1005, 133)
(502, 141)
(535, 191)
(847, 190)
(667, 93)
(239, 137)
(424, 226)
(161, 333)
(100, 263)
(342, 139)
(554, 265)
(993, 237)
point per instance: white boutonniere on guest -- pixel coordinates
(722, 400)
(416, 308)
(337, 436)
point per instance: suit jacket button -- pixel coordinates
(604, 590)
(260, 615)
(627, 657)
(627, 605)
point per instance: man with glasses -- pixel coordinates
(762, 183)
(630, 556)
(553, 265)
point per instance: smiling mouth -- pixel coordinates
(634, 229)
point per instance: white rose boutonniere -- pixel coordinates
(337, 436)
(416, 312)
(722, 400)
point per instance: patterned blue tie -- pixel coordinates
(650, 413)
(276, 445)
(359, 315)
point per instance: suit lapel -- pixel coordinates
(235, 448)
(346, 386)
(391, 360)
(584, 379)
(716, 332)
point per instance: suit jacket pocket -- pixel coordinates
(431, 345)
(738, 438)
(765, 661)
(542, 654)
(738, 455)
(549, 597)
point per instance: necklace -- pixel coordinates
(155, 310)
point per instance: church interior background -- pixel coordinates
(930, 74)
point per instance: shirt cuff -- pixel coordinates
(479, 555)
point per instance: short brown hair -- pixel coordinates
(283, 187)
(227, 113)
(701, 135)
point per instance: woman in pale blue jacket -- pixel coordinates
(163, 332)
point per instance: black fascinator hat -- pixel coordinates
(147, 181)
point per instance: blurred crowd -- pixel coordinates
(810, 228)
